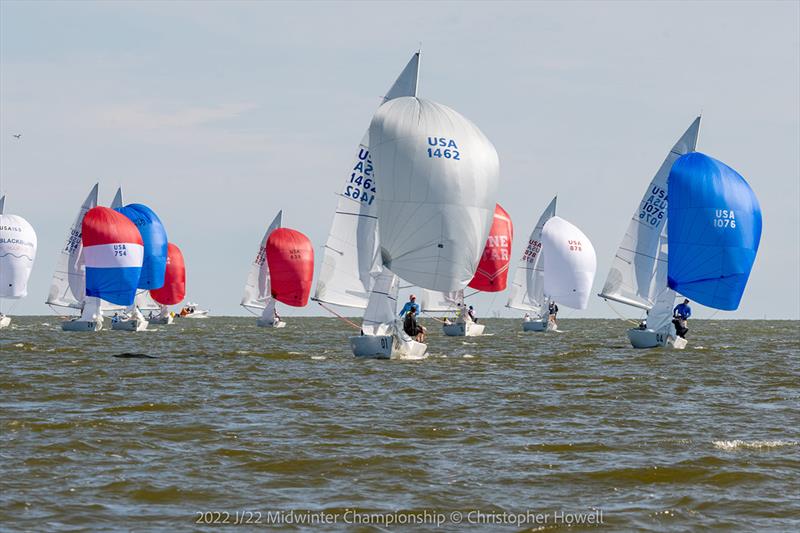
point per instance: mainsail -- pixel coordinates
(714, 231)
(638, 274)
(439, 177)
(570, 263)
(527, 288)
(67, 289)
(351, 251)
(380, 314)
(256, 287)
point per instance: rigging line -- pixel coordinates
(619, 314)
(433, 317)
(331, 311)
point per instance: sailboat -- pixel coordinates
(114, 254)
(257, 291)
(154, 263)
(569, 263)
(439, 177)
(491, 276)
(17, 253)
(351, 275)
(638, 274)
(527, 288)
(174, 289)
(68, 286)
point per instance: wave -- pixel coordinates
(730, 445)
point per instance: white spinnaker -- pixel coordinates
(17, 253)
(380, 314)
(68, 286)
(351, 251)
(570, 263)
(638, 272)
(441, 302)
(527, 288)
(256, 288)
(436, 203)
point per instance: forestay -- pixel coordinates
(714, 231)
(351, 251)
(17, 253)
(257, 286)
(570, 263)
(68, 286)
(439, 177)
(527, 289)
(638, 271)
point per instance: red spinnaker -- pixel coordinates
(290, 256)
(174, 289)
(492, 273)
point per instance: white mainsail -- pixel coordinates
(257, 292)
(638, 274)
(527, 289)
(441, 302)
(68, 287)
(17, 253)
(570, 263)
(351, 251)
(439, 177)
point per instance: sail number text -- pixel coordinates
(724, 218)
(654, 209)
(443, 148)
(120, 250)
(361, 186)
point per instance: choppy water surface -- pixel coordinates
(230, 417)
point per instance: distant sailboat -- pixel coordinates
(491, 276)
(154, 263)
(439, 177)
(638, 274)
(113, 255)
(570, 264)
(17, 252)
(257, 291)
(174, 289)
(68, 286)
(351, 275)
(527, 288)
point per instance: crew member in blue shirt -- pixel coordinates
(411, 303)
(680, 315)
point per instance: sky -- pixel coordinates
(217, 115)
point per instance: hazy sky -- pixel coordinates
(217, 115)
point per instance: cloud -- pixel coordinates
(144, 117)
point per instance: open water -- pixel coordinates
(555, 427)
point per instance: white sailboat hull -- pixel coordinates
(534, 325)
(133, 324)
(463, 329)
(647, 338)
(5, 321)
(270, 323)
(82, 325)
(162, 320)
(385, 347)
(200, 313)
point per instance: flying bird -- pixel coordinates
(17, 135)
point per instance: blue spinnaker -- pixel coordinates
(155, 244)
(713, 231)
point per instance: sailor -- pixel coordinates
(526, 318)
(410, 304)
(552, 310)
(471, 314)
(115, 318)
(411, 327)
(680, 317)
(277, 316)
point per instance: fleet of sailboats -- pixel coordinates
(419, 206)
